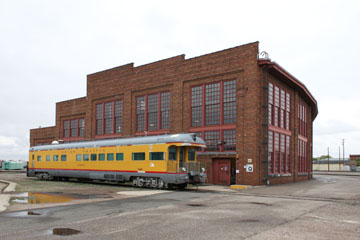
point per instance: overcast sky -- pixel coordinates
(48, 47)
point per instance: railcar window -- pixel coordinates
(56, 158)
(101, 156)
(191, 154)
(48, 158)
(85, 157)
(110, 157)
(157, 155)
(78, 157)
(172, 153)
(139, 156)
(39, 158)
(63, 158)
(93, 157)
(119, 156)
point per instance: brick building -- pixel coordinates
(248, 109)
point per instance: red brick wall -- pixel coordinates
(42, 135)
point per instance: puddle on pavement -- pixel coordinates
(52, 197)
(195, 205)
(65, 231)
(38, 213)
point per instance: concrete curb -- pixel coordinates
(351, 174)
(11, 186)
(235, 187)
(4, 202)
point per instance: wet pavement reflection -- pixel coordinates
(51, 197)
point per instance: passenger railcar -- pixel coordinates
(152, 161)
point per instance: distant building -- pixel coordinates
(354, 157)
(256, 118)
(333, 164)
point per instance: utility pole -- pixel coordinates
(328, 161)
(343, 143)
(339, 160)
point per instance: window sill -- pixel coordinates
(149, 133)
(216, 153)
(280, 175)
(108, 136)
(303, 174)
(72, 139)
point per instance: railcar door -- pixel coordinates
(32, 160)
(172, 166)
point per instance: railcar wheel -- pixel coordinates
(134, 182)
(154, 183)
(140, 182)
(161, 183)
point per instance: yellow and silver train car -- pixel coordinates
(152, 161)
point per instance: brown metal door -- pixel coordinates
(222, 170)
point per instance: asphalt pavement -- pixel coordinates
(327, 207)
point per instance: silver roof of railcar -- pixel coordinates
(182, 138)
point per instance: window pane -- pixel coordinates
(191, 154)
(282, 153)
(63, 158)
(230, 140)
(212, 114)
(288, 102)
(270, 153)
(78, 157)
(230, 91)
(110, 157)
(140, 111)
(172, 153)
(153, 121)
(212, 139)
(153, 108)
(108, 117)
(119, 156)
(165, 110)
(212, 92)
(282, 94)
(101, 157)
(196, 113)
(276, 152)
(81, 127)
(39, 158)
(99, 119)
(93, 157)
(48, 158)
(230, 112)
(66, 129)
(86, 157)
(74, 128)
(56, 158)
(277, 97)
(212, 103)
(287, 154)
(271, 94)
(138, 156)
(196, 96)
(99, 128)
(157, 155)
(270, 109)
(196, 106)
(118, 116)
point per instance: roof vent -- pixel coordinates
(263, 56)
